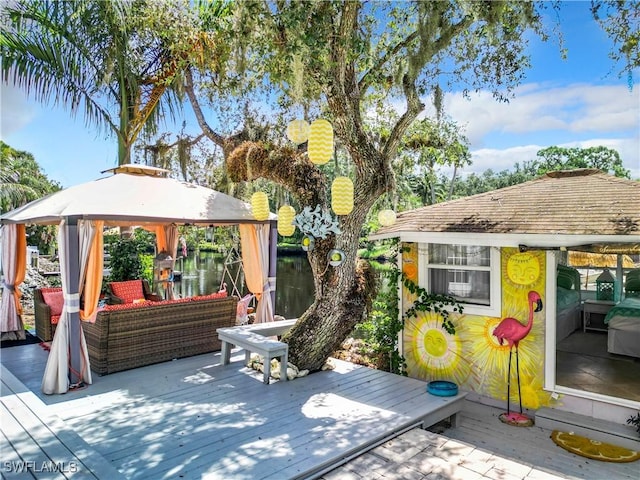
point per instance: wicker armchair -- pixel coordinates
(114, 297)
(42, 312)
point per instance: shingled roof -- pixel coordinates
(571, 202)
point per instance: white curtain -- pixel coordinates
(255, 260)
(56, 374)
(11, 326)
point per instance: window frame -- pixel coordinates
(494, 309)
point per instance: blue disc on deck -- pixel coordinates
(442, 388)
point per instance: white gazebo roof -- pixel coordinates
(136, 195)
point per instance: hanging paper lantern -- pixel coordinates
(386, 217)
(308, 242)
(298, 131)
(320, 146)
(260, 206)
(285, 220)
(342, 196)
(336, 257)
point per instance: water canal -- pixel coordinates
(203, 273)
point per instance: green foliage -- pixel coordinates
(429, 146)
(381, 329)
(559, 158)
(146, 262)
(429, 302)
(112, 60)
(22, 181)
(126, 261)
(549, 159)
(621, 22)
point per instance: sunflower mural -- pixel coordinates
(430, 351)
(473, 356)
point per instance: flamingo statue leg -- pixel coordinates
(509, 383)
(517, 419)
(518, 374)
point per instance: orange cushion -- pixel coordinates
(55, 300)
(128, 291)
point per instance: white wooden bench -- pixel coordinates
(254, 339)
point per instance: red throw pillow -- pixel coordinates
(128, 291)
(55, 300)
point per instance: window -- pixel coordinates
(470, 273)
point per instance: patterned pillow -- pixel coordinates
(128, 291)
(55, 300)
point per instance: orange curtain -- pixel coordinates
(21, 263)
(251, 259)
(161, 239)
(93, 278)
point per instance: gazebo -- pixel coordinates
(134, 195)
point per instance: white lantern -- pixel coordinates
(386, 217)
(298, 131)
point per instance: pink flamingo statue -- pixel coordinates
(512, 331)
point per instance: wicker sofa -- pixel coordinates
(47, 310)
(134, 335)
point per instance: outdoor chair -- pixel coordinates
(130, 291)
(47, 308)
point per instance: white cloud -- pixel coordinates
(541, 115)
(15, 111)
(539, 108)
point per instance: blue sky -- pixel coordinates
(577, 102)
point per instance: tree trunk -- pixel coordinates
(343, 295)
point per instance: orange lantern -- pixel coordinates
(342, 196)
(320, 146)
(298, 131)
(386, 217)
(285, 220)
(260, 206)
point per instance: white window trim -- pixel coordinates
(494, 309)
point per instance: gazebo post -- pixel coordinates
(273, 261)
(73, 269)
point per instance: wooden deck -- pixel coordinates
(194, 418)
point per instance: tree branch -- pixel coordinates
(364, 81)
(283, 165)
(206, 129)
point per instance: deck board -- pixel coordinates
(197, 418)
(39, 444)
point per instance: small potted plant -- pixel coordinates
(635, 421)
